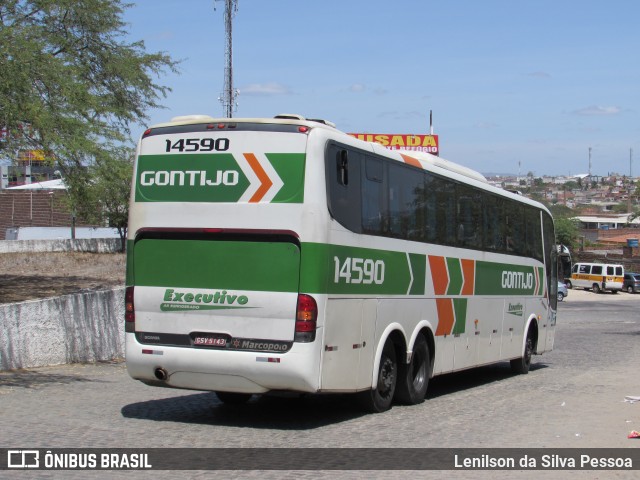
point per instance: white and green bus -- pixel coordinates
(284, 255)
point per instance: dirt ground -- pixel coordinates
(28, 276)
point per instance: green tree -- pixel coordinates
(567, 232)
(571, 185)
(100, 193)
(70, 82)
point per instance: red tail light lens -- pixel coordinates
(129, 311)
(306, 319)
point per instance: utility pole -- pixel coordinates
(630, 163)
(229, 94)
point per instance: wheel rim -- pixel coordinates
(386, 380)
(419, 370)
(528, 352)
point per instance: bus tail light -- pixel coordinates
(306, 319)
(129, 311)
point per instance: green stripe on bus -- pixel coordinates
(419, 268)
(320, 269)
(504, 279)
(337, 269)
(541, 275)
(460, 309)
(189, 178)
(290, 169)
(213, 264)
(455, 276)
(129, 265)
(214, 177)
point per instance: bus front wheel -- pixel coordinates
(379, 399)
(413, 378)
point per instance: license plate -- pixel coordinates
(209, 341)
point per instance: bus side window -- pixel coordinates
(492, 221)
(375, 215)
(342, 169)
(469, 213)
(585, 269)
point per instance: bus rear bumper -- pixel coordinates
(223, 370)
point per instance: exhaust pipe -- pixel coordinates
(161, 374)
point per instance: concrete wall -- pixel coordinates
(84, 327)
(94, 245)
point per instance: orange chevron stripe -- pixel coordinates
(446, 317)
(439, 274)
(411, 160)
(468, 272)
(262, 176)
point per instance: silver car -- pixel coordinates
(563, 291)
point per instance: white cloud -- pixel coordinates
(357, 88)
(265, 89)
(597, 110)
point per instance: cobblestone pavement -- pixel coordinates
(573, 397)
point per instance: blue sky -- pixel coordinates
(515, 86)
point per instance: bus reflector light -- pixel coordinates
(303, 129)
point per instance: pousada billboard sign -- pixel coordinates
(422, 143)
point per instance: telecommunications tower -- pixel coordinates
(229, 94)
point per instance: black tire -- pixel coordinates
(614, 291)
(523, 364)
(568, 284)
(379, 399)
(233, 398)
(413, 378)
(630, 289)
(595, 288)
(560, 296)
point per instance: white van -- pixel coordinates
(597, 277)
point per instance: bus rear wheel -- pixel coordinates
(595, 288)
(413, 378)
(379, 399)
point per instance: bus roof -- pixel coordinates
(283, 118)
(421, 159)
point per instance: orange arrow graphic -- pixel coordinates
(262, 176)
(410, 160)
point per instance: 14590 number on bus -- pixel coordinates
(365, 271)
